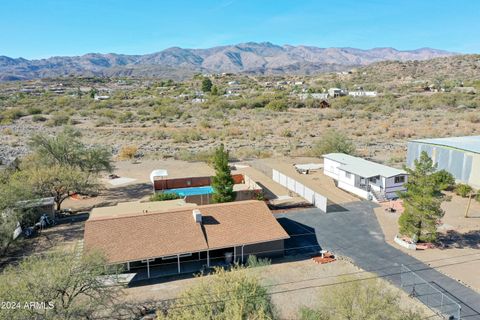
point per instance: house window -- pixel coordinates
(400, 179)
(348, 175)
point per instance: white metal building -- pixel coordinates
(458, 155)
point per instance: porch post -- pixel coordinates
(208, 258)
(178, 260)
(128, 266)
(242, 252)
(234, 254)
(148, 268)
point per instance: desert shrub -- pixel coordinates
(186, 136)
(168, 111)
(277, 105)
(356, 298)
(34, 110)
(287, 133)
(190, 155)
(128, 152)
(10, 115)
(101, 122)
(444, 179)
(333, 142)
(38, 118)
(164, 196)
(463, 190)
(125, 117)
(226, 295)
(159, 135)
(58, 119)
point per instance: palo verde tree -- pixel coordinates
(422, 201)
(62, 165)
(69, 285)
(222, 182)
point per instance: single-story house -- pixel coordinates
(366, 179)
(361, 93)
(184, 239)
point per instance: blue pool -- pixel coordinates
(182, 192)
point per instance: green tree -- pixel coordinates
(359, 300)
(226, 295)
(206, 85)
(422, 201)
(222, 182)
(277, 105)
(66, 280)
(444, 179)
(215, 91)
(331, 142)
(57, 181)
(8, 223)
(66, 148)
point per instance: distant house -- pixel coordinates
(324, 104)
(168, 240)
(366, 179)
(336, 92)
(317, 96)
(361, 93)
(101, 97)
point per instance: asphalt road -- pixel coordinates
(355, 233)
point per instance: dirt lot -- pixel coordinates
(293, 284)
(460, 259)
(315, 180)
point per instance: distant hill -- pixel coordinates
(466, 67)
(178, 63)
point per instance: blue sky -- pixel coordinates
(44, 28)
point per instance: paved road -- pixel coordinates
(355, 233)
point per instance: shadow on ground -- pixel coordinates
(454, 239)
(131, 191)
(303, 240)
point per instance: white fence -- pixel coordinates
(308, 194)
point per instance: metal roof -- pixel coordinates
(362, 167)
(468, 143)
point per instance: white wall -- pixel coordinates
(330, 168)
(308, 194)
(359, 192)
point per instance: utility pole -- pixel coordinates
(469, 203)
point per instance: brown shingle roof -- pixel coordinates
(133, 238)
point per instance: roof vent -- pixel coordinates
(197, 215)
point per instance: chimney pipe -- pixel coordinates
(197, 215)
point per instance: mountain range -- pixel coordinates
(179, 63)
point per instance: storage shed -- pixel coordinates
(458, 155)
